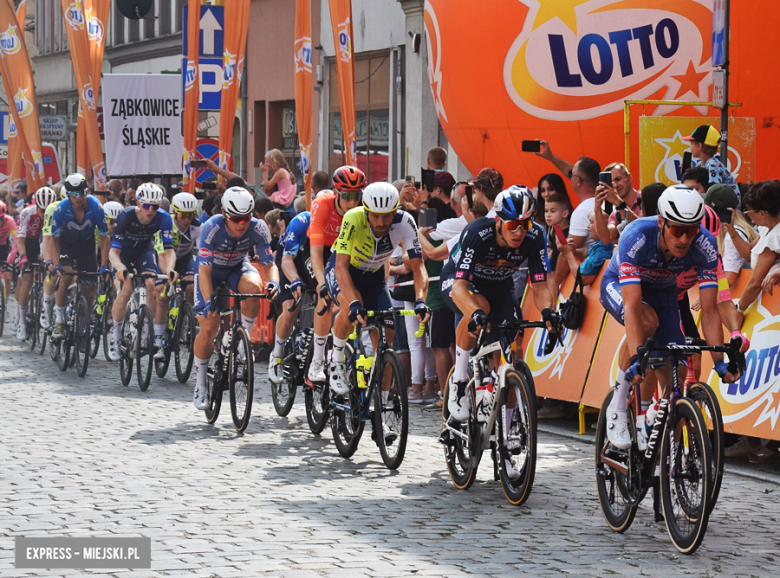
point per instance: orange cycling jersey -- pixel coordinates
(325, 221)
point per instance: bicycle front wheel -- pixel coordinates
(145, 352)
(391, 411)
(128, 346)
(685, 476)
(108, 321)
(283, 394)
(41, 334)
(184, 342)
(214, 377)
(705, 399)
(81, 340)
(346, 423)
(461, 452)
(242, 379)
(516, 437)
(95, 327)
(34, 316)
(63, 353)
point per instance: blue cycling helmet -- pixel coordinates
(515, 203)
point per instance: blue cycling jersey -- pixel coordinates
(220, 250)
(67, 228)
(295, 238)
(131, 234)
(639, 259)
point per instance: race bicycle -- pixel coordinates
(179, 335)
(101, 323)
(73, 348)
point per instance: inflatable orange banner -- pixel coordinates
(560, 71)
(341, 19)
(20, 89)
(76, 27)
(303, 89)
(236, 24)
(191, 95)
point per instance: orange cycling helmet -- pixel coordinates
(349, 178)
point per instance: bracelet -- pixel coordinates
(424, 203)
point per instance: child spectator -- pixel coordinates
(698, 178)
(704, 146)
(597, 254)
(556, 212)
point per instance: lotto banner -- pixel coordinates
(14, 162)
(560, 71)
(661, 147)
(303, 89)
(343, 40)
(76, 27)
(20, 89)
(236, 24)
(562, 374)
(191, 95)
(603, 371)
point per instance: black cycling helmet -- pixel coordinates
(75, 182)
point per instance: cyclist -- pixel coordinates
(476, 282)
(47, 250)
(28, 245)
(355, 272)
(186, 236)
(132, 247)
(225, 241)
(73, 225)
(639, 289)
(7, 230)
(112, 210)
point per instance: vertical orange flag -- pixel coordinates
(191, 94)
(76, 27)
(20, 89)
(14, 162)
(341, 19)
(236, 24)
(303, 89)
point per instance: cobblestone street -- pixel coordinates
(89, 457)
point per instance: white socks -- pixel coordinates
(279, 347)
(248, 323)
(59, 314)
(202, 366)
(619, 401)
(118, 330)
(461, 372)
(338, 349)
(319, 347)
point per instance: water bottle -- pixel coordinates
(226, 343)
(300, 344)
(649, 420)
(488, 397)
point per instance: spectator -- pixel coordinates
(549, 184)
(736, 236)
(487, 184)
(704, 146)
(650, 195)
(556, 212)
(598, 253)
(277, 226)
(437, 159)
(698, 178)
(276, 173)
(300, 204)
(214, 189)
(320, 181)
(625, 198)
(115, 189)
(130, 198)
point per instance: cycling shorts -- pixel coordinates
(284, 291)
(688, 323)
(81, 256)
(231, 277)
(442, 327)
(4, 249)
(371, 286)
(662, 300)
(500, 296)
(142, 260)
(32, 248)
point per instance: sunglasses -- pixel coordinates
(241, 219)
(351, 195)
(188, 215)
(110, 221)
(512, 226)
(74, 194)
(150, 207)
(678, 231)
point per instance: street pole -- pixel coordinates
(724, 112)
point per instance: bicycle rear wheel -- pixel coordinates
(108, 321)
(685, 476)
(34, 316)
(95, 328)
(161, 365)
(41, 334)
(214, 380)
(611, 484)
(516, 437)
(128, 346)
(283, 394)
(706, 400)
(316, 396)
(391, 411)
(241, 379)
(81, 340)
(461, 454)
(184, 341)
(145, 352)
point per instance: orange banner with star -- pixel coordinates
(20, 90)
(191, 96)
(236, 26)
(14, 149)
(343, 40)
(303, 90)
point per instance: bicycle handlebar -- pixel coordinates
(381, 315)
(732, 349)
(516, 326)
(238, 296)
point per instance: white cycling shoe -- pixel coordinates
(114, 351)
(316, 373)
(276, 370)
(458, 400)
(200, 396)
(21, 332)
(617, 429)
(338, 378)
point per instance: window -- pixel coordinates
(133, 30)
(149, 22)
(165, 17)
(178, 16)
(119, 28)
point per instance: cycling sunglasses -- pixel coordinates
(149, 207)
(512, 226)
(74, 194)
(187, 215)
(351, 195)
(239, 219)
(678, 231)
(110, 221)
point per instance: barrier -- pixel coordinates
(263, 331)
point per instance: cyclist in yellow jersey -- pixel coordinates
(355, 273)
(47, 249)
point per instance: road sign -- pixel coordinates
(208, 148)
(4, 127)
(212, 31)
(718, 32)
(210, 82)
(53, 127)
(718, 80)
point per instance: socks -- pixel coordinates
(48, 298)
(59, 314)
(338, 349)
(619, 401)
(248, 323)
(202, 366)
(159, 330)
(118, 330)
(461, 372)
(278, 347)
(319, 347)
(22, 315)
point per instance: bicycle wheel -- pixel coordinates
(706, 400)
(145, 352)
(34, 316)
(161, 365)
(63, 352)
(317, 400)
(128, 345)
(241, 379)
(283, 394)
(108, 321)
(685, 476)
(461, 452)
(612, 484)
(81, 339)
(391, 411)
(41, 335)
(95, 327)
(184, 341)
(516, 437)
(214, 380)
(346, 423)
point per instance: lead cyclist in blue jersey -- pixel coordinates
(639, 289)
(225, 241)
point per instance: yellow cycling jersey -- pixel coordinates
(48, 217)
(369, 253)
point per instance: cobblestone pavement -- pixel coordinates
(88, 457)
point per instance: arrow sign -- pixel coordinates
(208, 26)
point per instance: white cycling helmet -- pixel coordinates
(75, 182)
(681, 204)
(44, 197)
(149, 193)
(380, 198)
(238, 201)
(184, 203)
(112, 209)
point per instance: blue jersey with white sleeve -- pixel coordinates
(220, 250)
(66, 227)
(295, 238)
(132, 235)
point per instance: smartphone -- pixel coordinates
(559, 233)
(723, 214)
(531, 146)
(470, 196)
(428, 218)
(409, 179)
(686, 163)
(427, 179)
(198, 163)
(209, 186)
(606, 178)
